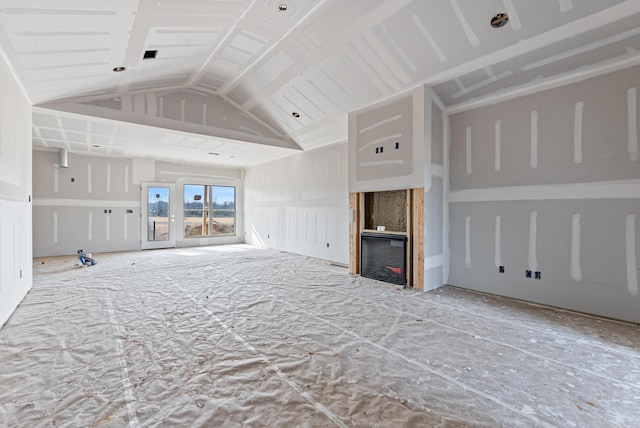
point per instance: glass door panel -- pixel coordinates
(158, 217)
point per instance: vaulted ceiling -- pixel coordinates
(229, 75)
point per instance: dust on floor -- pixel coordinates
(239, 336)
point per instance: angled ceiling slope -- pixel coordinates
(318, 58)
(187, 110)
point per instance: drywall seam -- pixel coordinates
(422, 100)
(497, 256)
(382, 163)
(188, 175)
(468, 150)
(437, 171)
(498, 145)
(514, 18)
(380, 123)
(397, 49)
(630, 243)
(533, 232)
(122, 365)
(108, 178)
(466, 27)
(55, 227)
(581, 50)
(90, 227)
(464, 90)
(534, 139)
(56, 179)
(576, 270)
(445, 197)
(433, 262)
(89, 178)
(467, 243)
(577, 132)
(575, 76)
(432, 42)
(632, 112)
(565, 5)
(88, 203)
(628, 189)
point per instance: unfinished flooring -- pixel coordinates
(238, 336)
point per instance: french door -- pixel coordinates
(158, 216)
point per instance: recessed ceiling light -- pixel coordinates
(282, 7)
(500, 20)
(95, 145)
(119, 69)
(295, 114)
(150, 54)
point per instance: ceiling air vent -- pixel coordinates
(150, 54)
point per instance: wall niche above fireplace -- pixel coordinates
(387, 209)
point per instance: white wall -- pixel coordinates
(69, 203)
(551, 183)
(15, 194)
(436, 186)
(300, 204)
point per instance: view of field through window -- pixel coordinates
(209, 210)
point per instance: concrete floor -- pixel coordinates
(239, 336)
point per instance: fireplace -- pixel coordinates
(383, 257)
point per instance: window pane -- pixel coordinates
(223, 210)
(195, 210)
(158, 214)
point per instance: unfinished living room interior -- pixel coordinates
(310, 213)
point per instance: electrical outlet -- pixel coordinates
(73, 180)
(397, 145)
(377, 150)
(327, 245)
(381, 149)
(538, 275)
(527, 274)
(501, 269)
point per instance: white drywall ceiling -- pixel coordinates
(319, 58)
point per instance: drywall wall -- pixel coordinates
(300, 204)
(95, 203)
(15, 194)
(436, 238)
(387, 143)
(403, 143)
(550, 183)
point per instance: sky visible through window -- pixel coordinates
(221, 194)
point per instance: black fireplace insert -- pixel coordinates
(384, 257)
